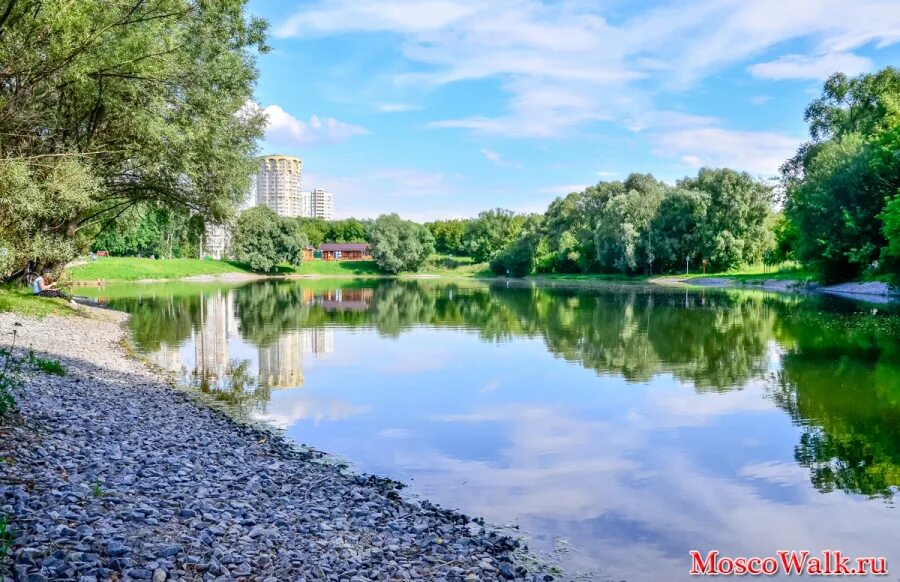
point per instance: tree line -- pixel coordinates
(835, 208)
(262, 239)
(125, 127)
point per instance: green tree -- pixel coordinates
(448, 235)
(314, 229)
(526, 254)
(146, 97)
(400, 245)
(262, 239)
(735, 229)
(675, 230)
(152, 229)
(891, 219)
(33, 198)
(347, 231)
(838, 183)
(622, 235)
(492, 232)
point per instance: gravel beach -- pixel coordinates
(110, 474)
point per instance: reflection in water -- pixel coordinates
(620, 426)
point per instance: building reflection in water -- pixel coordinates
(281, 364)
(218, 325)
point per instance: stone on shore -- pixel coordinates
(110, 474)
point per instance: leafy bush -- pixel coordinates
(400, 245)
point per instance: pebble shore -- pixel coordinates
(108, 473)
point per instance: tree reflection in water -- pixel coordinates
(837, 370)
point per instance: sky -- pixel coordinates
(443, 108)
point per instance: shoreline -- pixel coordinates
(110, 472)
(864, 291)
(870, 291)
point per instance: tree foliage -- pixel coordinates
(400, 245)
(38, 204)
(734, 230)
(143, 99)
(492, 232)
(153, 230)
(837, 184)
(262, 239)
(449, 235)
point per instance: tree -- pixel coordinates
(676, 228)
(838, 183)
(526, 253)
(152, 229)
(145, 99)
(622, 235)
(734, 230)
(34, 199)
(786, 237)
(400, 245)
(346, 231)
(493, 231)
(448, 235)
(314, 229)
(262, 239)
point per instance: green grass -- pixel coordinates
(336, 268)
(19, 299)
(454, 266)
(758, 273)
(46, 365)
(135, 269)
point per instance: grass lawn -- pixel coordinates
(336, 268)
(19, 299)
(134, 269)
(759, 273)
(454, 266)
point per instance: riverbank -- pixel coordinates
(870, 290)
(133, 269)
(109, 473)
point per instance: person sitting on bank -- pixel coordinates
(41, 286)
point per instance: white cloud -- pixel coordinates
(757, 152)
(372, 16)
(566, 67)
(760, 99)
(811, 67)
(396, 107)
(692, 161)
(497, 159)
(285, 129)
(491, 155)
(607, 174)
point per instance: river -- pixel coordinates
(617, 427)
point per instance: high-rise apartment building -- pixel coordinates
(321, 204)
(278, 184)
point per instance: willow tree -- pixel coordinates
(111, 104)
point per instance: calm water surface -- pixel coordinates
(618, 428)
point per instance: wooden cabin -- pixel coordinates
(345, 251)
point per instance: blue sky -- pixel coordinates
(442, 108)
